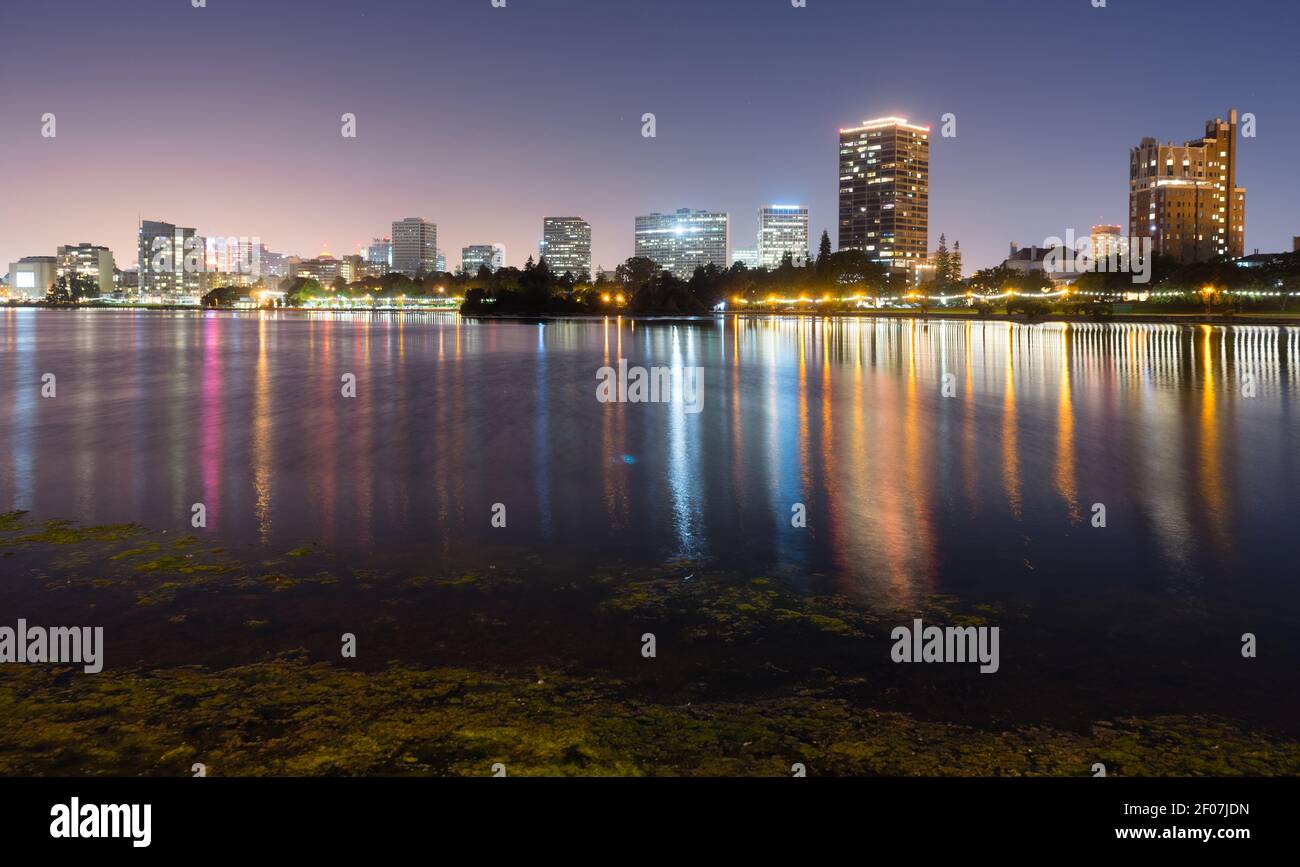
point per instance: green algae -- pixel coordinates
(67, 533)
(288, 716)
(143, 551)
(12, 521)
(181, 566)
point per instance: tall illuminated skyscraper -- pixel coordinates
(566, 245)
(415, 247)
(172, 260)
(885, 191)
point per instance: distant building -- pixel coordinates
(1259, 260)
(1185, 197)
(684, 240)
(274, 266)
(415, 247)
(127, 281)
(748, 257)
(30, 278)
(1295, 244)
(885, 191)
(88, 260)
(1109, 242)
(782, 230)
(1030, 259)
(324, 269)
(380, 255)
(566, 246)
(476, 256)
(354, 268)
(440, 263)
(172, 262)
(233, 261)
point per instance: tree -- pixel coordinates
(945, 270)
(823, 254)
(853, 268)
(71, 289)
(636, 273)
(302, 289)
(222, 296)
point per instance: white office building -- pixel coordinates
(476, 256)
(782, 229)
(566, 246)
(415, 247)
(684, 240)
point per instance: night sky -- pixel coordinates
(483, 120)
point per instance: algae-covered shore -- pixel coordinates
(234, 661)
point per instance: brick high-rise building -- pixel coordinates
(1185, 198)
(885, 192)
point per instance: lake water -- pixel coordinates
(906, 489)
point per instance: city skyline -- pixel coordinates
(274, 165)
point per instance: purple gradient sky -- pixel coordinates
(484, 119)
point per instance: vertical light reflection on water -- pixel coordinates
(613, 467)
(917, 463)
(262, 434)
(737, 422)
(363, 457)
(1010, 429)
(26, 385)
(325, 459)
(1065, 473)
(806, 481)
(212, 418)
(140, 460)
(970, 470)
(85, 453)
(681, 475)
(1210, 463)
(542, 469)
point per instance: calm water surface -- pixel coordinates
(908, 492)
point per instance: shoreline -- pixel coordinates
(954, 315)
